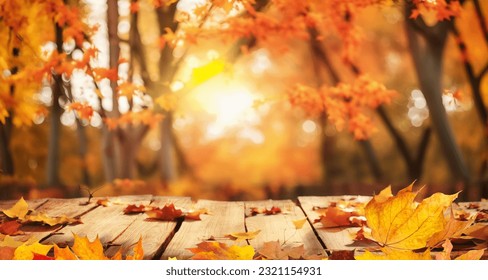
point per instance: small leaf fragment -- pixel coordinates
(299, 223)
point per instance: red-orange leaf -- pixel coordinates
(167, 213)
(10, 228)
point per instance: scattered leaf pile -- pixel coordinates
(263, 210)
(342, 213)
(166, 213)
(82, 249)
(18, 215)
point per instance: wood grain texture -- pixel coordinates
(224, 218)
(280, 227)
(154, 233)
(54, 208)
(340, 238)
(105, 222)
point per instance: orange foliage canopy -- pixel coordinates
(345, 104)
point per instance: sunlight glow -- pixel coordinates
(231, 106)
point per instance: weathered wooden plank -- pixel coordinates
(154, 233)
(224, 218)
(280, 227)
(334, 238)
(54, 208)
(105, 222)
(33, 204)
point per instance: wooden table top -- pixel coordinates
(165, 239)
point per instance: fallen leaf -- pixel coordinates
(64, 253)
(11, 228)
(478, 231)
(299, 223)
(273, 250)
(8, 241)
(85, 249)
(26, 251)
(39, 257)
(138, 251)
(221, 251)
(399, 222)
(133, 209)
(6, 253)
(337, 217)
(167, 213)
(238, 236)
(342, 255)
(453, 228)
(51, 221)
(271, 211)
(472, 255)
(19, 210)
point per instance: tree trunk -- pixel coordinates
(111, 147)
(6, 159)
(427, 47)
(52, 176)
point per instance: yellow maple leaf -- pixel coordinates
(389, 254)
(44, 218)
(220, 251)
(399, 222)
(85, 249)
(26, 252)
(19, 210)
(245, 235)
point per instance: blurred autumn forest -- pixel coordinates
(242, 99)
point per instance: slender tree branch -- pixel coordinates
(481, 19)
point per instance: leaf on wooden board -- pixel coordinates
(39, 257)
(220, 251)
(263, 210)
(399, 222)
(11, 228)
(478, 231)
(238, 236)
(342, 255)
(63, 253)
(299, 223)
(453, 228)
(167, 213)
(19, 210)
(334, 216)
(136, 209)
(26, 251)
(138, 251)
(194, 214)
(273, 250)
(85, 249)
(446, 253)
(51, 221)
(6, 253)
